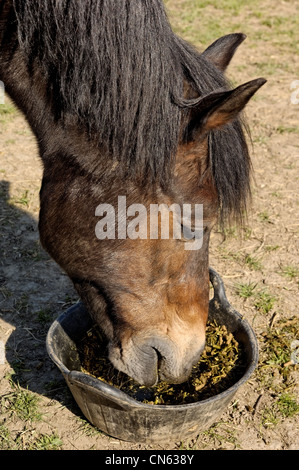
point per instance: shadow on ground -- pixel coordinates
(33, 292)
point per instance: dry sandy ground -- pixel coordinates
(33, 290)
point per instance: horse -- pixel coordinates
(120, 105)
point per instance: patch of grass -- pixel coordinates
(44, 315)
(202, 21)
(5, 439)
(87, 428)
(247, 233)
(69, 301)
(46, 442)
(221, 434)
(245, 290)
(21, 304)
(23, 200)
(230, 232)
(279, 30)
(24, 132)
(270, 417)
(275, 367)
(5, 292)
(290, 271)
(272, 22)
(287, 130)
(22, 403)
(7, 112)
(53, 386)
(187, 445)
(253, 262)
(12, 440)
(261, 139)
(226, 254)
(270, 248)
(277, 194)
(269, 67)
(264, 301)
(264, 216)
(280, 339)
(32, 253)
(287, 405)
(18, 364)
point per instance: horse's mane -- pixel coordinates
(118, 66)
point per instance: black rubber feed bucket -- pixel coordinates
(120, 416)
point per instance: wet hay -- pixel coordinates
(221, 365)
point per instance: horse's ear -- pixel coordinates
(219, 108)
(221, 51)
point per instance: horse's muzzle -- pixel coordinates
(155, 359)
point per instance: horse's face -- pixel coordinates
(159, 289)
(162, 303)
(156, 291)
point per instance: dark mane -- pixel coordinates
(118, 67)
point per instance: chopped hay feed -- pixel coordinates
(220, 366)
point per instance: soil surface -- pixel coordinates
(259, 264)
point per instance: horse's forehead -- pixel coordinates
(192, 152)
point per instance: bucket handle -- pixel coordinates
(219, 290)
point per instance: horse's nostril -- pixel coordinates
(159, 359)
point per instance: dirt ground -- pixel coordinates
(259, 265)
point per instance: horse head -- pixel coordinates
(126, 127)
